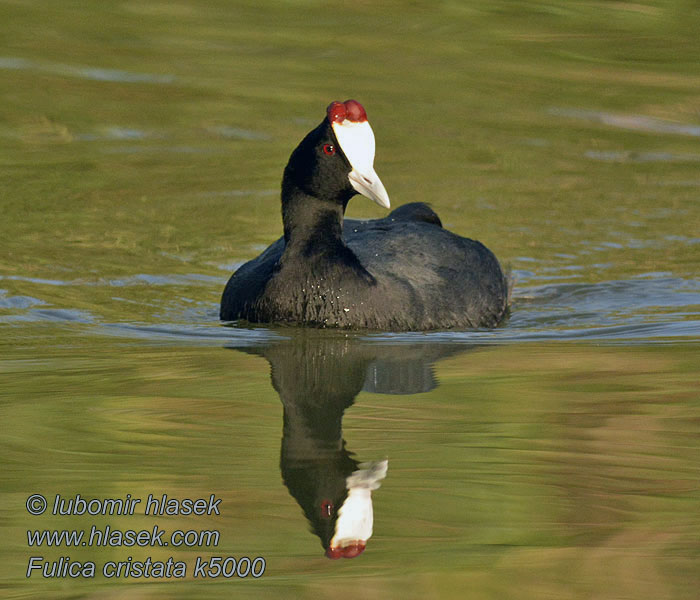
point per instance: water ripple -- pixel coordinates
(632, 122)
(94, 73)
(650, 308)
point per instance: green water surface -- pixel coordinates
(141, 149)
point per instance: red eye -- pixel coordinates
(326, 506)
(329, 149)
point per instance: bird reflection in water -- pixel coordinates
(318, 374)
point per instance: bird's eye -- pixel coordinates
(329, 149)
(326, 509)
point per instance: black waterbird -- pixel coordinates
(402, 272)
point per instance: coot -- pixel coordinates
(403, 272)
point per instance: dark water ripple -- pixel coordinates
(649, 309)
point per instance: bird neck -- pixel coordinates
(311, 224)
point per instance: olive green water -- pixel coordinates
(141, 148)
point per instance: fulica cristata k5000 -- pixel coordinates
(402, 272)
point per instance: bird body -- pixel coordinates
(402, 272)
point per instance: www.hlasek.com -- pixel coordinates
(106, 536)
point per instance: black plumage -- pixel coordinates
(402, 272)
